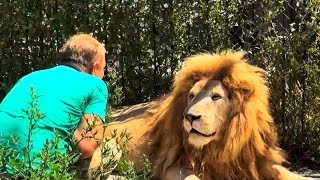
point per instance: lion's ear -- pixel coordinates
(244, 94)
(239, 98)
(240, 89)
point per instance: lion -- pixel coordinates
(214, 124)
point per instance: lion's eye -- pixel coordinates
(191, 96)
(215, 97)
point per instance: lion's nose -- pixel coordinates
(191, 117)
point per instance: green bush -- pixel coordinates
(52, 163)
(56, 165)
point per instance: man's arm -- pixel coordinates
(89, 135)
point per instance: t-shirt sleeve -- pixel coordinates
(97, 100)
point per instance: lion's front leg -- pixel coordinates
(179, 173)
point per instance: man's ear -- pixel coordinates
(93, 68)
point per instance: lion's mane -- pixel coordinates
(248, 146)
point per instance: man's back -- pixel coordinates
(55, 99)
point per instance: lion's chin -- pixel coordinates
(199, 141)
(196, 138)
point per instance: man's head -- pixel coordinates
(85, 53)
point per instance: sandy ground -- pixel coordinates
(309, 173)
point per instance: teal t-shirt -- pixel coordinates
(62, 95)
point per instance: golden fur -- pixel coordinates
(247, 146)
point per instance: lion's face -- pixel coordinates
(207, 110)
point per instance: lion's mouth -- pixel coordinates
(199, 133)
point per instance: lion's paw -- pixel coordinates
(191, 177)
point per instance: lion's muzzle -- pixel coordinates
(191, 117)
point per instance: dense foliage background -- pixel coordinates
(147, 40)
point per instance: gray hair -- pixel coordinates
(80, 52)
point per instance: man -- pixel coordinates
(51, 105)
